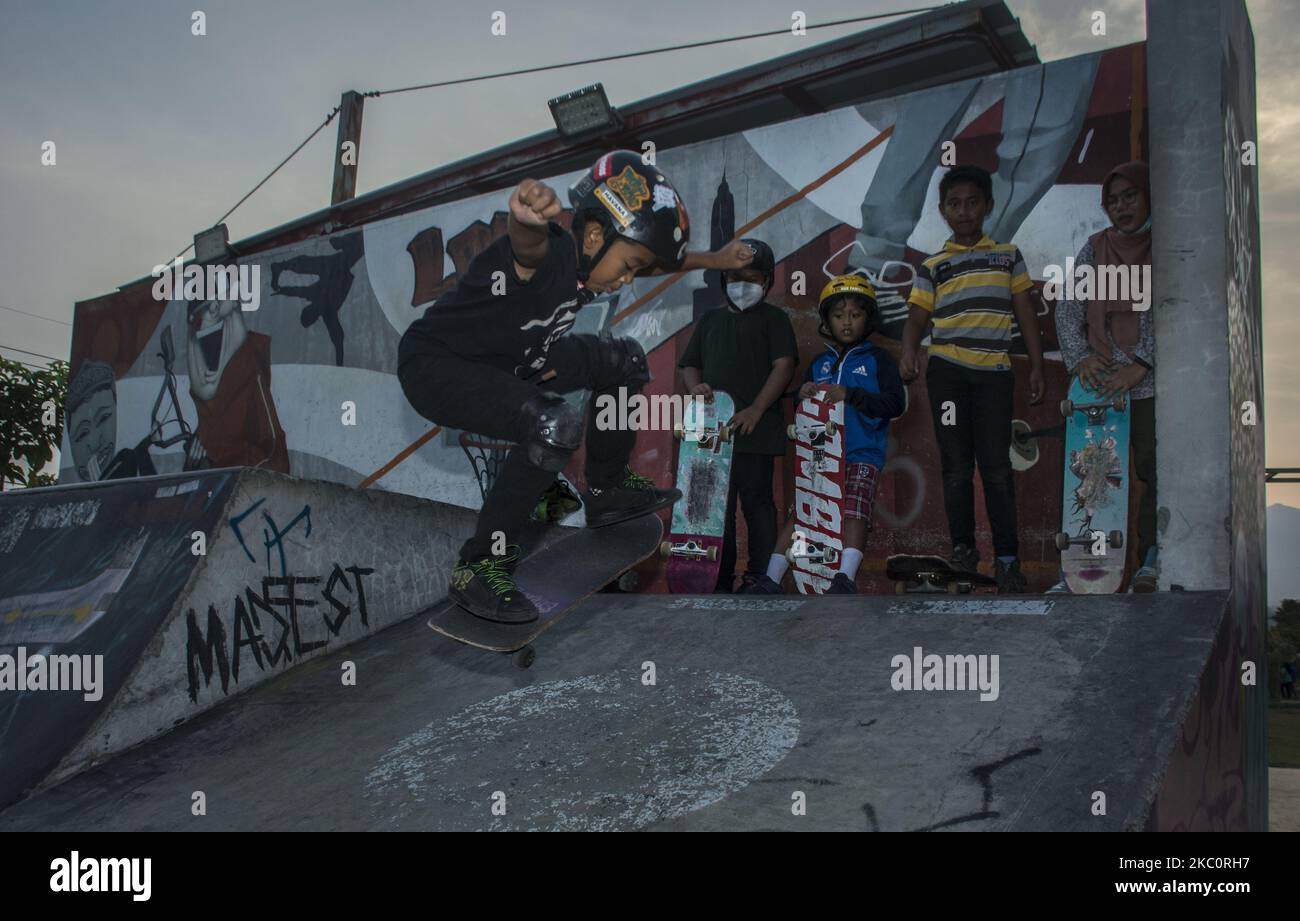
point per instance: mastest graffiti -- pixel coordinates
(290, 630)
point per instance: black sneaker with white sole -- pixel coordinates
(1010, 579)
(842, 585)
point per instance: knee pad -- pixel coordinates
(625, 362)
(554, 430)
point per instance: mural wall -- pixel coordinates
(305, 384)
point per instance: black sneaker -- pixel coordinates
(842, 585)
(1010, 580)
(965, 557)
(486, 588)
(758, 585)
(634, 497)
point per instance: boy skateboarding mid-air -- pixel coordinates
(865, 378)
(490, 357)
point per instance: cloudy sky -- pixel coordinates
(159, 132)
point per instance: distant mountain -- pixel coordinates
(1283, 554)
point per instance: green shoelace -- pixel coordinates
(498, 571)
(634, 480)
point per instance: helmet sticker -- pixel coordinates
(665, 197)
(631, 187)
(681, 253)
(615, 207)
(601, 169)
(677, 233)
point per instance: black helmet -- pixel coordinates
(633, 201)
(764, 261)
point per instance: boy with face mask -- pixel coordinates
(748, 349)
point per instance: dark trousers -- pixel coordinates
(751, 482)
(1143, 439)
(980, 433)
(486, 400)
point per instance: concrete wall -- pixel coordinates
(1208, 348)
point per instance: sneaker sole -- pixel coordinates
(491, 617)
(665, 502)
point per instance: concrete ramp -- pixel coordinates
(193, 588)
(661, 712)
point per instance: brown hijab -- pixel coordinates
(1114, 247)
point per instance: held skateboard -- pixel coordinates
(559, 569)
(703, 475)
(1094, 507)
(818, 434)
(913, 573)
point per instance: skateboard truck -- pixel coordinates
(813, 552)
(1065, 541)
(690, 549)
(705, 436)
(814, 434)
(1096, 412)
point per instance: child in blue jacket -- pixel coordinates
(865, 378)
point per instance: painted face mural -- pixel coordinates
(92, 421)
(216, 331)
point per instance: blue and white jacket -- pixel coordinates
(875, 395)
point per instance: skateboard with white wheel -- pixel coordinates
(815, 547)
(1094, 508)
(694, 541)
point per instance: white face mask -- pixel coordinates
(744, 294)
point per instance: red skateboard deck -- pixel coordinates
(814, 553)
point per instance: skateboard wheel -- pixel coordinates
(1119, 403)
(792, 433)
(712, 554)
(964, 587)
(724, 432)
(1062, 541)
(678, 432)
(1067, 408)
(1115, 539)
(952, 588)
(900, 588)
(830, 557)
(525, 657)
(665, 549)
(830, 426)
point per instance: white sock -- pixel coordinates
(849, 560)
(777, 565)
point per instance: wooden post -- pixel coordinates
(347, 151)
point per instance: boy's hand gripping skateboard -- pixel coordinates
(703, 476)
(818, 433)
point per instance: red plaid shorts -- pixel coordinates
(860, 491)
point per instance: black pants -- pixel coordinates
(1143, 438)
(980, 433)
(486, 400)
(751, 482)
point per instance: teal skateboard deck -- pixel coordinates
(1094, 507)
(694, 542)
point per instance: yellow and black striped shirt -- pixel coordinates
(967, 290)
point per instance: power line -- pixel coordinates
(25, 352)
(636, 54)
(534, 70)
(36, 315)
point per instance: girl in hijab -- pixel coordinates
(1107, 335)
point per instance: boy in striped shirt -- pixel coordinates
(972, 291)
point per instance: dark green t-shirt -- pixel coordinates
(735, 352)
